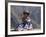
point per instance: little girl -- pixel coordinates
(26, 25)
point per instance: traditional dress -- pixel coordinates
(27, 25)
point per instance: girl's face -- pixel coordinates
(24, 17)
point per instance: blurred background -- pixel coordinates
(35, 14)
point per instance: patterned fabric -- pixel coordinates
(23, 27)
(27, 25)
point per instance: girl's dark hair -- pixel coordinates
(26, 13)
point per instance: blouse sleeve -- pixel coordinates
(20, 27)
(30, 27)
